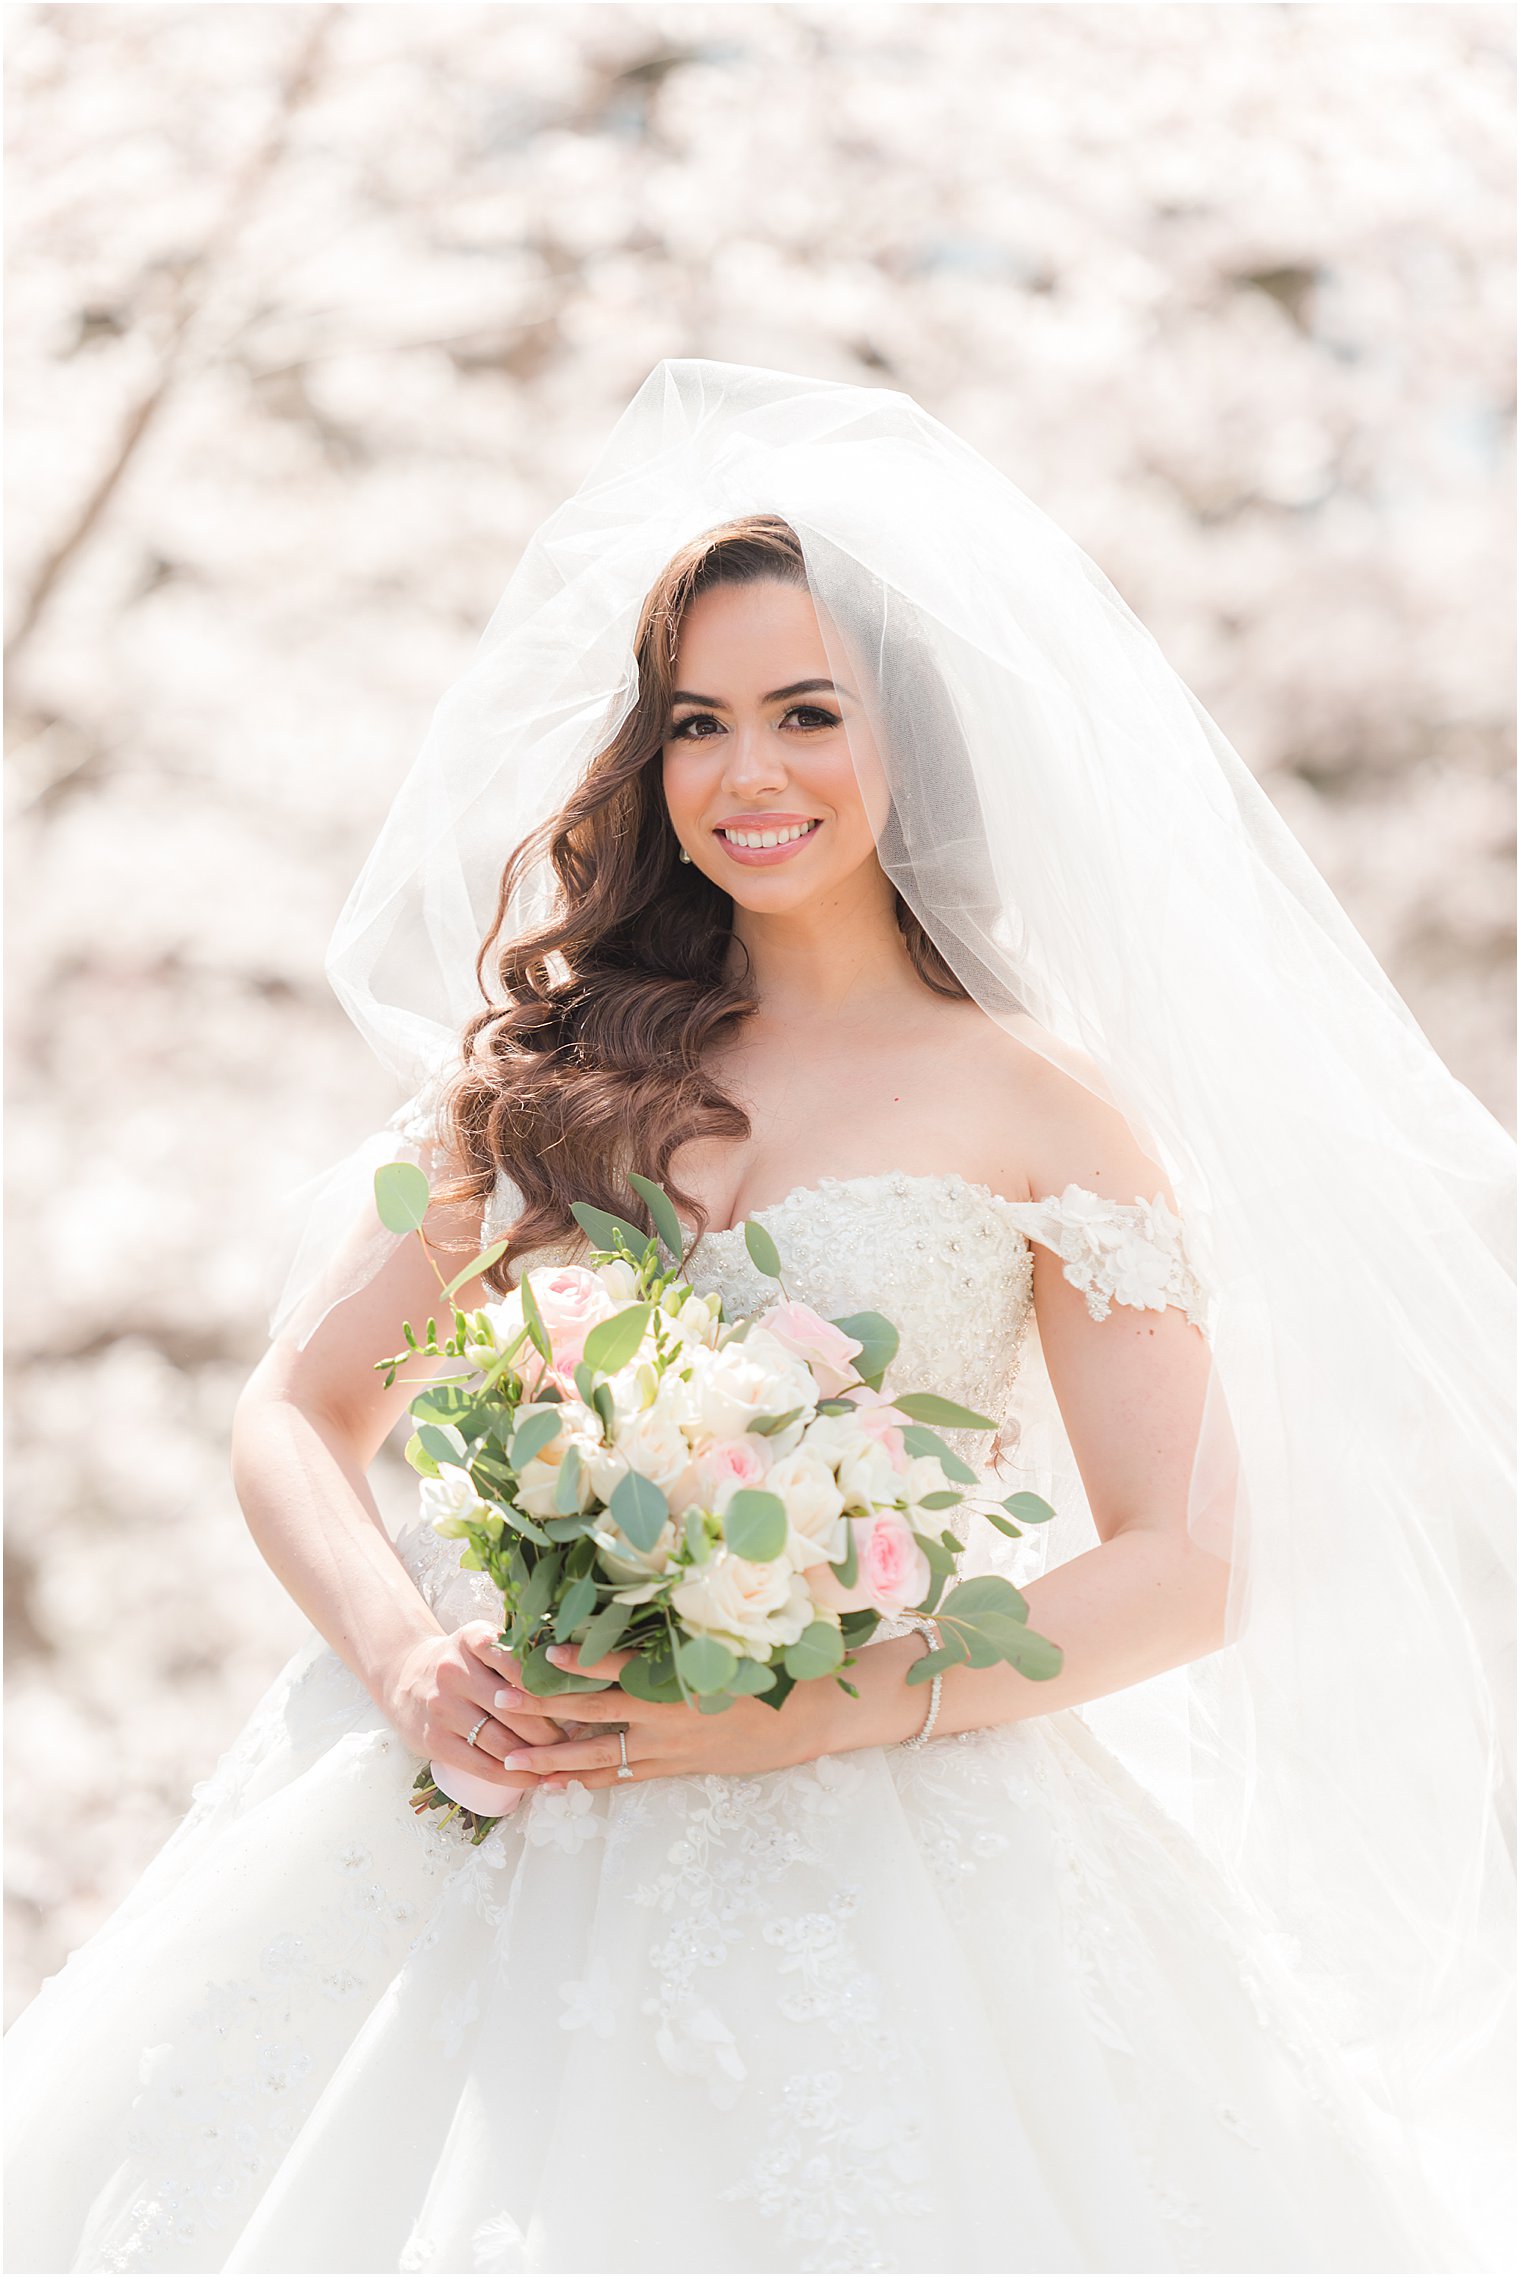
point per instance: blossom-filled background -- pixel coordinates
(314, 312)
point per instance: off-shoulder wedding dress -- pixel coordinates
(978, 2006)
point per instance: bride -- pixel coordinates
(867, 874)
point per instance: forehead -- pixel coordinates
(742, 632)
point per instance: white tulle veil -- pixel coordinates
(1101, 870)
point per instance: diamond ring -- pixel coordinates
(476, 1730)
(625, 1768)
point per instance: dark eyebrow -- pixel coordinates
(797, 688)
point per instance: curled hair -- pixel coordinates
(588, 1061)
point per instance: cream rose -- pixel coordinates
(538, 1480)
(751, 1377)
(649, 1442)
(814, 1508)
(750, 1608)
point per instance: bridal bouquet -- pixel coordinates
(735, 1502)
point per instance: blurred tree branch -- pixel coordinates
(249, 184)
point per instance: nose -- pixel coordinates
(755, 762)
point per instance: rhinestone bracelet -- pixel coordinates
(930, 1629)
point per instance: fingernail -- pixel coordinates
(559, 1654)
(521, 1761)
(507, 1699)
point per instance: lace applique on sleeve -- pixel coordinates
(1128, 1253)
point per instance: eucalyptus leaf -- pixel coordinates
(714, 1703)
(751, 1678)
(481, 1264)
(442, 1442)
(401, 1196)
(1036, 1657)
(419, 1458)
(639, 1507)
(569, 1482)
(817, 1652)
(940, 1559)
(531, 1437)
(568, 1529)
(534, 1319)
(764, 1255)
(651, 1677)
(706, 1664)
(602, 1401)
(539, 1594)
(604, 1228)
(1031, 1509)
(666, 1224)
(604, 1630)
(755, 1524)
(986, 1593)
(928, 1407)
(847, 1571)
(613, 1342)
(544, 1680)
(579, 1600)
(932, 1664)
(584, 1382)
(920, 1440)
(943, 1498)
(876, 1337)
(767, 1424)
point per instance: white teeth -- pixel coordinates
(767, 837)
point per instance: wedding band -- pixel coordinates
(625, 1768)
(476, 1731)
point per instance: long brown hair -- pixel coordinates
(588, 1061)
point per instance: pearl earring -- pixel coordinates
(684, 855)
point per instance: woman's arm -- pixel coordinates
(308, 1424)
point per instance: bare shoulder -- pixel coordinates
(1045, 1118)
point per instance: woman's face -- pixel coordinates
(756, 748)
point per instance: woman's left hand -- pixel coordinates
(666, 1742)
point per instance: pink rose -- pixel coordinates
(826, 1349)
(723, 1466)
(572, 1300)
(878, 1416)
(894, 1574)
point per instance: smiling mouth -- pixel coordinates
(752, 839)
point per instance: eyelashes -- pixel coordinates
(822, 718)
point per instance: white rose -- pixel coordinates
(754, 1376)
(449, 1500)
(814, 1508)
(870, 1480)
(837, 1439)
(751, 1608)
(537, 1481)
(649, 1442)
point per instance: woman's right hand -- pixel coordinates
(443, 1687)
